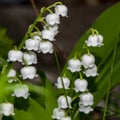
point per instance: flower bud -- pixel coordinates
(11, 73)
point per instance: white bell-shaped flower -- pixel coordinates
(65, 80)
(91, 71)
(74, 65)
(53, 28)
(95, 40)
(52, 19)
(86, 99)
(48, 34)
(65, 118)
(29, 58)
(15, 55)
(32, 44)
(58, 113)
(85, 109)
(28, 72)
(21, 91)
(46, 47)
(7, 109)
(62, 103)
(80, 85)
(100, 40)
(61, 10)
(11, 73)
(88, 61)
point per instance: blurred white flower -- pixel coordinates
(29, 58)
(21, 91)
(32, 44)
(61, 10)
(7, 109)
(85, 109)
(62, 103)
(86, 99)
(95, 40)
(28, 72)
(80, 85)
(48, 34)
(15, 55)
(74, 65)
(11, 73)
(65, 118)
(46, 47)
(58, 113)
(52, 19)
(91, 71)
(66, 82)
(88, 61)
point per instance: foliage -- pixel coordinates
(6, 43)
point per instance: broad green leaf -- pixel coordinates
(6, 43)
(33, 112)
(108, 24)
(49, 93)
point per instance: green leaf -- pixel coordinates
(49, 93)
(33, 112)
(6, 43)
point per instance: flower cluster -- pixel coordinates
(37, 41)
(85, 66)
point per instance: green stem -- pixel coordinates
(76, 115)
(109, 82)
(30, 29)
(81, 77)
(59, 70)
(57, 3)
(32, 26)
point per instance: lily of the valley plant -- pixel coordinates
(76, 97)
